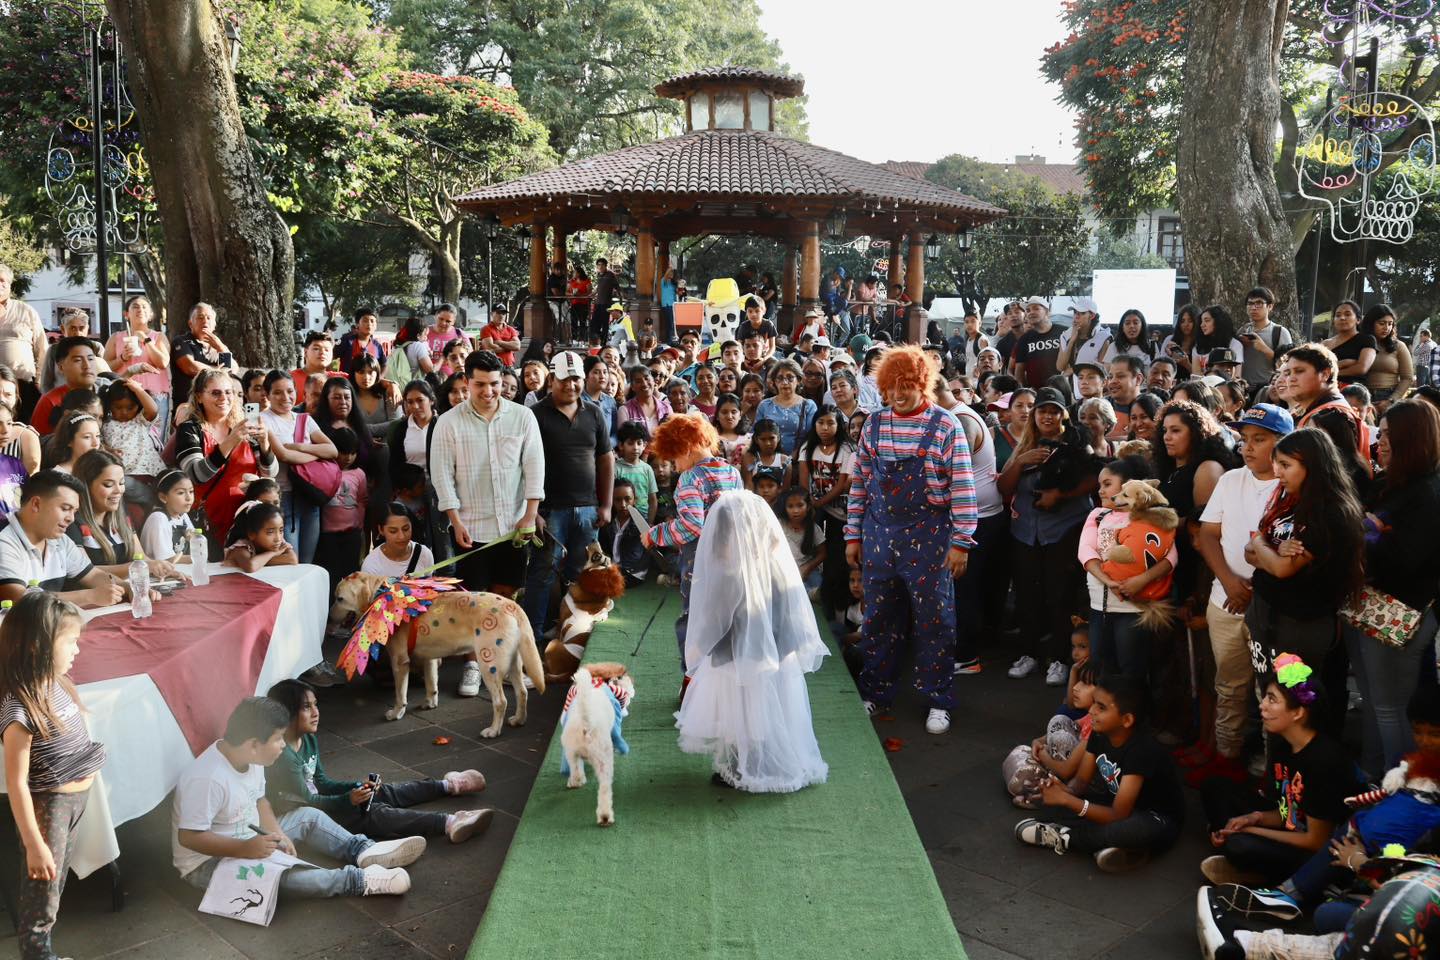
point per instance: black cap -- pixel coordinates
(1221, 355)
(500, 308)
(1049, 395)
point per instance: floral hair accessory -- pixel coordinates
(1294, 674)
(1395, 850)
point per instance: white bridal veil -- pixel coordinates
(751, 639)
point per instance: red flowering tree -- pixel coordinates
(455, 134)
(1134, 71)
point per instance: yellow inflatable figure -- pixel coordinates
(723, 311)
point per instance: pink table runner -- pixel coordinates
(203, 649)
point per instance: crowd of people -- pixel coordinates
(931, 495)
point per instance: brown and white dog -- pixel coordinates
(492, 627)
(588, 602)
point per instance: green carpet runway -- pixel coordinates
(694, 870)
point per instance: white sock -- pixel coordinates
(449, 821)
(449, 786)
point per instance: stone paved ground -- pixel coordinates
(1007, 900)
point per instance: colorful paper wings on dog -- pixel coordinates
(400, 602)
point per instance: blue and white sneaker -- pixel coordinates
(1249, 903)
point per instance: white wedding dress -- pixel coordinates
(752, 638)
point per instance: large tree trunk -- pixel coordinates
(224, 243)
(1236, 231)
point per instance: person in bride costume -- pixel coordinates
(752, 638)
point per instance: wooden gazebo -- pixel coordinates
(729, 173)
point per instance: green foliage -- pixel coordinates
(307, 75)
(352, 264)
(17, 250)
(587, 68)
(1119, 253)
(1037, 250)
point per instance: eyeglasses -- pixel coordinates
(1255, 303)
(216, 394)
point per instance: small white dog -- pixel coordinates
(594, 708)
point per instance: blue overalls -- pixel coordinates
(905, 540)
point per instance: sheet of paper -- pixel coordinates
(247, 890)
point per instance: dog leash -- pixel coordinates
(646, 629)
(522, 538)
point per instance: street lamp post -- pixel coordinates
(492, 230)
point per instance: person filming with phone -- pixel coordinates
(217, 446)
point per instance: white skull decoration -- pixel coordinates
(723, 311)
(1373, 133)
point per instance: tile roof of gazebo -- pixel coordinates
(729, 181)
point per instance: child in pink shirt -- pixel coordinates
(342, 519)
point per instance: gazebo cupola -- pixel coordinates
(730, 98)
(730, 173)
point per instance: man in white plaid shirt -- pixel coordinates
(488, 467)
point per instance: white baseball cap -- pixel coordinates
(1084, 305)
(821, 342)
(567, 364)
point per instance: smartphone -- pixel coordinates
(374, 780)
(252, 414)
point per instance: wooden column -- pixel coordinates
(786, 321)
(537, 315)
(662, 258)
(915, 289)
(809, 268)
(645, 305)
(896, 273)
(558, 255)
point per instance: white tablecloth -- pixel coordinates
(146, 749)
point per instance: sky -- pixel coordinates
(968, 74)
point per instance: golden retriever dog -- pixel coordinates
(492, 627)
(588, 602)
(594, 709)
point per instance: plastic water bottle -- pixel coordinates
(199, 556)
(140, 606)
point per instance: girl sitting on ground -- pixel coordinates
(377, 810)
(1263, 840)
(257, 538)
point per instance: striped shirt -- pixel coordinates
(487, 469)
(698, 488)
(949, 478)
(57, 757)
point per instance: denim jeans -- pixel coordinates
(1120, 645)
(572, 528)
(310, 827)
(302, 524)
(1387, 677)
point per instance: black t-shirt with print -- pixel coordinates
(1143, 756)
(1311, 783)
(1312, 593)
(1036, 354)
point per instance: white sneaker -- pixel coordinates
(1057, 674)
(938, 721)
(470, 680)
(1023, 667)
(465, 781)
(467, 823)
(392, 853)
(386, 882)
(870, 708)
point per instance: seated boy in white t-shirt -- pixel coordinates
(220, 811)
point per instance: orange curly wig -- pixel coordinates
(683, 434)
(907, 366)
